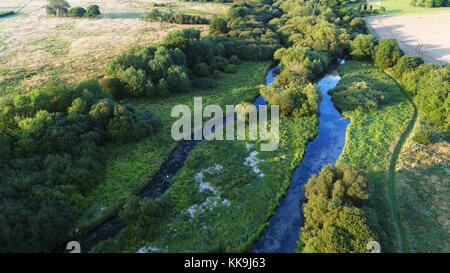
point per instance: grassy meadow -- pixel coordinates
(423, 190)
(372, 137)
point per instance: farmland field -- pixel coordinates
(432, 33)
(34, 47)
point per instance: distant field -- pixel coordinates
(431, 30)
(34, 47)
(400, 7)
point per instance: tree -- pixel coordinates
(387, 53)
(154, 15)
(92, 11)
(406, 63)
(77, 12)
(362, 47)
(358, 8)
(135, 81)
(218, 26)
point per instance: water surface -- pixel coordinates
(282, 233)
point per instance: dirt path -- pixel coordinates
(393, 177)
(427, 35)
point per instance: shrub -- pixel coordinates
(218, 26)
(422, 137)
(135, 81)
(201, 70)
(406, 63)
(429, 4)
(334, 221)
(113, 86)
(92, 11)
(234, 60)
(50, 11)
(387, 53)
(77, 12)
(219, 63)
(230, 69)
(362, 47)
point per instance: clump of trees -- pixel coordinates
(60, 8)
(51, 141)
(336, 220)
(428, 83)
(430, 3)
(176, 18)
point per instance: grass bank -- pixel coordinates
(374, 137)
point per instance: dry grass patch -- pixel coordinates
(74, 49)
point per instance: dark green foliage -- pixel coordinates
(50, 144)
(366, 89)
(430, 84)
(362, 47)
(230, 69)
(405, 64)
(334, 219)
(387, 53)
(201, 70)
(92, 11)
(293, 100)
(423, 137)
(234, 60)
(218, 26)
(300, 65)
(77, 12)
(114, 86)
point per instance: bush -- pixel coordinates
(230, 69)
(422, 137)
(405, 64)
(218, 26)
(234, 60)
(362, 47)
(50, 11)
(201, 70)
(334, 219)
(113, 86)
(77, 12)
(92, 11)
(387, 53)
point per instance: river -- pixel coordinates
(282, 232)
(281, 235)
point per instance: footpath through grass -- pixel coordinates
(374, 139)
(130, 166)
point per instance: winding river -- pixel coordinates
(282, 233)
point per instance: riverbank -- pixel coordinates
(372, 138)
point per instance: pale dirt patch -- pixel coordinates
(412, 30)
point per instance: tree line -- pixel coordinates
(61, 8)
(427, 83)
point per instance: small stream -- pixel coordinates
(282, 233)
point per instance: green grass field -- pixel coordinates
(372, 137)
(130, 166)
(400, 7)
